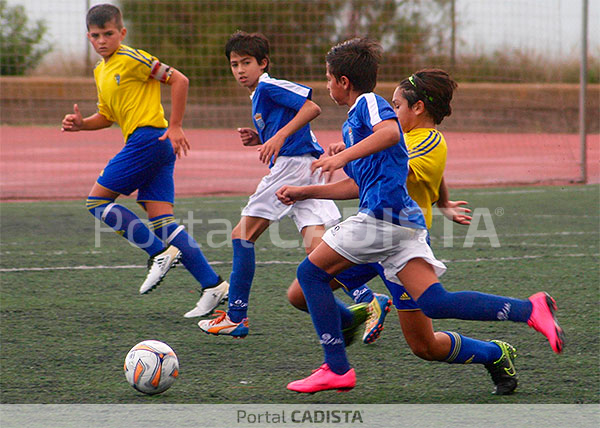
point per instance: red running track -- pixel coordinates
(43, 163)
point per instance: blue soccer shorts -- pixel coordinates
(145, 164)
(361, 274)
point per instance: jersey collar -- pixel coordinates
(262, 78)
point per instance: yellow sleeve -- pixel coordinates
(141, 67)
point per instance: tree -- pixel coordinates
(21, 46)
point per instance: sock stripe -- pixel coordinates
(456, 346)
(160, 222)
(107, 210)
(175, 233)
(92, 203)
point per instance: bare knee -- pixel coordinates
(432, 348)
(296, 297)
(423, 350)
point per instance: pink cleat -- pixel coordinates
(543, 320)
(323, 379)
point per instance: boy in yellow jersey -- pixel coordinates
(421, 102)
(128, 84)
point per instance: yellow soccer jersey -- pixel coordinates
(127, 94)
(427, 160)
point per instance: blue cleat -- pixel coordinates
(378, 309)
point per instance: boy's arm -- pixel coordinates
(452, 210)
(74, 122)
(307, 112)
(179, 89)
(344, 189)
(385, 134)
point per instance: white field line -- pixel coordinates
(294, 263)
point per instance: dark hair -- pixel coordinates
(100, 14)
(357, 59)
(253, 44)
(432, 86)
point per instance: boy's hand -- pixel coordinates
(334, 149)
(178, 140)
(249, 137)
(270, 148)
(328, 165)
(454, 210)
(290, 194)
(72, 122)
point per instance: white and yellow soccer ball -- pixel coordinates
(151, 367)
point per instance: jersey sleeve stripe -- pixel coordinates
(134, 53)
(290, 86)
(149, 59)
(135, 57)
(423, 151)
(373, 109)
(426, 141)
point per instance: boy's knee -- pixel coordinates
(424, 349)
(433, 301)
(296, 297)
(99, 207)
(308, 272)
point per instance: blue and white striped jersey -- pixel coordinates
(274, 103)
(381, 177)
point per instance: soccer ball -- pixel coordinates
(151, 367)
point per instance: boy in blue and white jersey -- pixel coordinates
(281, 111)
(389, 227)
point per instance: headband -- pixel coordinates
(411, 79)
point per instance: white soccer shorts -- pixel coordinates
(366, 239)
(293, 171)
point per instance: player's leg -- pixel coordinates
(352, 317)
(262, 208)
(235, 321)
(162, 222)
(101, 204)
(421, 281)
(314, 275)
(454, 348)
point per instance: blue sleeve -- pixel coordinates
(291, 95)
(374, 110)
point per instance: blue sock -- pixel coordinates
(436, 302)
(191, 255)
(361, 294)
(240, 281)
(465, 350)
(324, 313)
(126, 223)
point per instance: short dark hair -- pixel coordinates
(434, 87)
(357, 59)
(100, 14)
(253, 44)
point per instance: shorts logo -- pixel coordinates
(118, 79)
(260, 123)
(334, 230)
(404, 296)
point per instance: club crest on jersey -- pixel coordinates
(260, 123)
(118, 79)
(350, 136)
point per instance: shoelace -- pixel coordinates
(219, 316)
